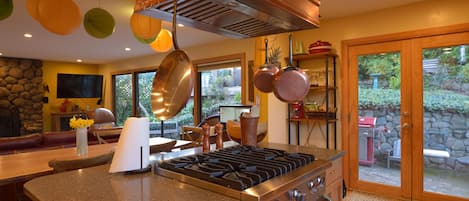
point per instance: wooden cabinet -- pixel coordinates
(60, 120)
(320, 105)
(334, 180)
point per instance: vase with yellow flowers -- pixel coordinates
(81, 125)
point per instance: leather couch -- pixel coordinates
(47, 140)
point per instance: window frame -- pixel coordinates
(135, 89)
(197, 85)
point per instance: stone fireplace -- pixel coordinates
(21, 93)
(9, 122)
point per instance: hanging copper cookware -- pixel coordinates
(173, 82)
(291, 84)
(264, 76)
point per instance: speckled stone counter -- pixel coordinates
(319, 153)
(98, 185)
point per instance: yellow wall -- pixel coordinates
(426, 14)
(226, 47)
(50, 70)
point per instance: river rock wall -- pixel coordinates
(442, 131)
(21, 88)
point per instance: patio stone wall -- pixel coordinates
(442, 131)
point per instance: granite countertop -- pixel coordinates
(97, 184)
(319, 153)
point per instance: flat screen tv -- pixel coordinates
(79, 86)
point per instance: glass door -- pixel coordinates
(441, 171)
(379, 111)
(408, 117)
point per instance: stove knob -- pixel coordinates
(300, 197)
(292, 193)
(296, 195)
(320, 181)
(312, 186)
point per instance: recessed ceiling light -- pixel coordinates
(27, 35)
(79, 60)
(127, 49)
(180, 25)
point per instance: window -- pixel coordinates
(219, 87)
(132, 98)
(219, 81)
(122, 89)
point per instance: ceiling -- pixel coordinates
(45, 45)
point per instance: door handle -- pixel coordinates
(405, 125)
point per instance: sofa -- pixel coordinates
(46, 140)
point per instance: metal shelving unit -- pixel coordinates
(328, 116)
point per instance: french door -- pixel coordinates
(406, 124)
(379, 107)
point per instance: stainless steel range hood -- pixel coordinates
(237, 18)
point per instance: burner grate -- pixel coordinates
(238, 167)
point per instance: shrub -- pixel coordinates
(437, 100)
(378, 98)
(395, 82)
(465, 73)
(443, 100)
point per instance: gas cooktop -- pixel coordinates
(238, 167)
(251, 173)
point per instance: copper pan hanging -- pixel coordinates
(291, 84)
(173, 82)
(264, 76)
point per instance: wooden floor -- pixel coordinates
(359, 196)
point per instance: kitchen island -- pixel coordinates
(97, 184)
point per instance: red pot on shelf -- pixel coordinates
(319, 47)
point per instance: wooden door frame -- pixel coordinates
(346, 74)
(417, 47)
(404, 190)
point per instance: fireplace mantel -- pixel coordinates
(60, 120)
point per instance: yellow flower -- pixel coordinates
(80, 123)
